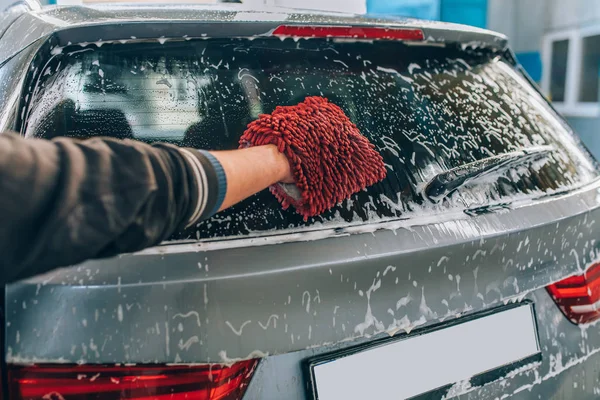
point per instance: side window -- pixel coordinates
(558, 70)
(571, 77)
(590, 69)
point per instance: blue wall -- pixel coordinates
(425, 9)
(532, 63)
(469, 12)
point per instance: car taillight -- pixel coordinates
(354, 32)
(57, 382)
(578, 297)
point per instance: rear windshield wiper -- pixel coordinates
(447, 182)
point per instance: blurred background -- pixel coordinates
(556, 41)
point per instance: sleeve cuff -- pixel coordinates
(210, 182)
(221, 181)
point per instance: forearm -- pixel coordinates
(251, 170)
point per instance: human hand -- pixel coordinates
(285, 173)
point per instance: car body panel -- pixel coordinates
(236, 302)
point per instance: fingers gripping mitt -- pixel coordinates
(329, 158)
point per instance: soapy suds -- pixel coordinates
(189, 314)
(239, 331)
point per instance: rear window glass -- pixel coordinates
(427, 110)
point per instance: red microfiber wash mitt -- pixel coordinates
(329, 157)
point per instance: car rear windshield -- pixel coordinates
(428, 109)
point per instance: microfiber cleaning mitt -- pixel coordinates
(329, 157)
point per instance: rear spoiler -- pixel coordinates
(87, 25)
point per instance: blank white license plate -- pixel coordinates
(418, 364)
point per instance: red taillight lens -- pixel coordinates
(355, 32)
(205, 382)
(578, 297)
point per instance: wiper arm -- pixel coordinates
(447, 182)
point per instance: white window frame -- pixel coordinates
(571, 107)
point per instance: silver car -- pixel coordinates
(469, 272)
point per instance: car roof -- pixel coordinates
(36, 24)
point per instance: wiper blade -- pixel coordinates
(447, 182)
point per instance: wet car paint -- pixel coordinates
(155, 312)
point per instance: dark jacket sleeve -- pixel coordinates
(65, 201)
